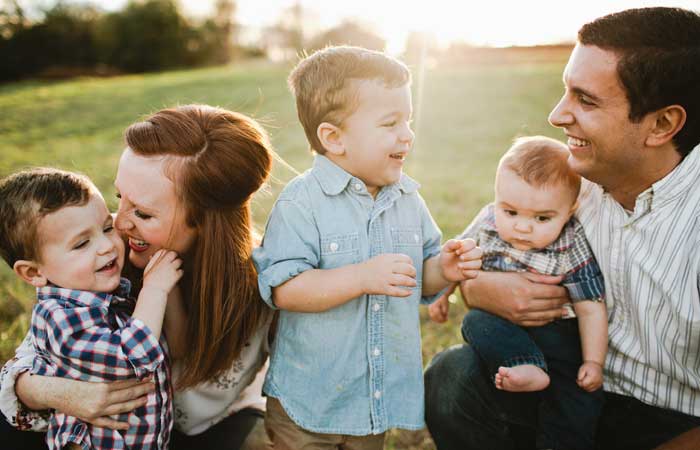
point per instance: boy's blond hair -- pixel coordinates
(325, 89)
(25, 198)
(541, 162)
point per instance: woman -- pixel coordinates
(185, 182)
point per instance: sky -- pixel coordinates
(483, 22)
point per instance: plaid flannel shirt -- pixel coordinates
(569, 255)
(91, 336)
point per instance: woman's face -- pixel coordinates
(150, 214)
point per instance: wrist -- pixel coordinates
(591, 361)
(153, 293)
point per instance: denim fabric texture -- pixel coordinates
(355, 369)
(465, 411)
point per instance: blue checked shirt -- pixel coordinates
(357, 368)
(91, 336)
(569, 255)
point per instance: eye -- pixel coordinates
(118, 195)
(81, 244)
(141, 215)
(510, 212)
(585, 100)
(108, 229)
(389, 124)
(543, 219)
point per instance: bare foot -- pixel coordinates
(525, 378)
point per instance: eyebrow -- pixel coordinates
(136, 205)
(509, 206)
(581, 91)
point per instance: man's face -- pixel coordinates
(605, 145)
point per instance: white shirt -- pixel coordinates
(650, 258)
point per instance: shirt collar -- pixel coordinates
(87, 298)
(563, 243)
(334, 179)
(677, 182)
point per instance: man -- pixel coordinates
(631, 111)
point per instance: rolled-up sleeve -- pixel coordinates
(432, 237)
(290, 246)
(14, 411)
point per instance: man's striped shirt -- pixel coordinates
(650, 259)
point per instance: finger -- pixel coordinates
(402, 258)
(474, 264)
(403, 280)
(107, 422)
(125, 407)
(543, 279)
(547, 305)
(125, 384)
(405, 269)
(471, 274)
(532, 323)
(452, 245)
(394, 291)
(467, 245)
(131, 393)
(474, 253)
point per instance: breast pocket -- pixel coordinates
(409, 241)
(339, 250)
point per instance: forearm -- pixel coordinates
(318, 290)
(38, 392)
(689, 439)
(474, 292)
(593, 329)
(433, 281)
(150, 309)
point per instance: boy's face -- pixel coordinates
(528, 217)
(377, 136)
(80, 249)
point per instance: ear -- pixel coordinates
(574, 207)
(29, 272)
(331, 138)
(667, 122)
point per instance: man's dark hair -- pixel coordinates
(659, 62)
(26, 197)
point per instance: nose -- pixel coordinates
(522, 226)
(561, 115)
(106, 245)
(407, 135)
(121, 221)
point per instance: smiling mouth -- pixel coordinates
(576, 142)
(109, 266)
(398, 156)
(138, 245)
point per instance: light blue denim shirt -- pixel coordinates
(357, 368)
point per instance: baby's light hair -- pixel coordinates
(324, 84)
(29, 195)
(541, 162)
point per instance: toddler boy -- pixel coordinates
(349, 251)
(57, 234)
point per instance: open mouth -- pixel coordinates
(109, 266)
(138, 245)
(576, 142)
(399, 156)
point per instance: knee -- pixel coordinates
(473, 319)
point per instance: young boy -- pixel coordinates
(530, 227)
(349, 251)
(57, 235)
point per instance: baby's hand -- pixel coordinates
(384, 274)
(460, 260)
(590, 376)
(163, 271)
(439, 308)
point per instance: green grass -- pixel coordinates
(465, 119)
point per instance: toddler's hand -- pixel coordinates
(384, 274)
(163, 271)
(460, 260)
(439, 308)
(590, 376)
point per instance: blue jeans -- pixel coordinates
(464, 411)
(567, 415)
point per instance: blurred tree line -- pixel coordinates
(146, 35)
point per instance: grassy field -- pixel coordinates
(465, 119)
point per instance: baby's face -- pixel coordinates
(80, 249)
(528, 217)
(377, 136)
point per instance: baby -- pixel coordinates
(530, 227)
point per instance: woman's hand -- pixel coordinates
(526, 299)
(88, 401)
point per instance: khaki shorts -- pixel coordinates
(287, 435)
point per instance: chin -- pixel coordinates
(138, 260)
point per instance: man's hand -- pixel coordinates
(526, 299)
(590, 376)
(460, 260)
(388, 274)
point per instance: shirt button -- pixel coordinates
(376, 307)
(508, 260)
(377, 394)
(416, 238)
(333, 247)
(376, 352)
(358, 186)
